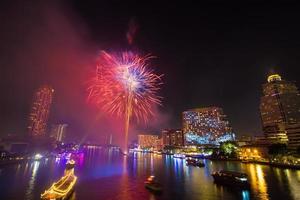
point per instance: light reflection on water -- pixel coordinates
(245, 194)
(294, 184)
(258, 181)
(110, 176)
(29, 192)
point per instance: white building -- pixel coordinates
(58, 132)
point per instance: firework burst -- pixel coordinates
(123, 85)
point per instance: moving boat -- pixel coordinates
(63, 188)
(194, 162)
(152, 185)
(231, 178)
(181, 156)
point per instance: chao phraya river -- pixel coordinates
(107, 175)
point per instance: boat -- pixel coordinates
(231, 178)
(70, 164)
(194, 162)
(181, 156)
(152, 185)
(198, 156)
(63, 188)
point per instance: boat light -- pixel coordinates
(37, 156)
(242, 179)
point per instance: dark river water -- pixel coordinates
(106, 175)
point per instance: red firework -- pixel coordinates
(123, 85)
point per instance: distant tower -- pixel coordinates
(58, 132)
(280, 110)
(40, 111)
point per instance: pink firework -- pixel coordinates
(124, 86)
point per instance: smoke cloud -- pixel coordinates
(47, 43)
(132, 30)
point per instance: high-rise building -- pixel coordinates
(280, 110)
(280, 102)
(261, 140)
(58, 132)
(206, 126)
(243, 140)
(293, 133)
(148, 141)
(40, 111)
(172, 137)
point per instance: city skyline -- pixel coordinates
(115, 100)
(204, 74)
(271, 78)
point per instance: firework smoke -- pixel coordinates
(132, 30)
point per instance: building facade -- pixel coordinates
(58, 132)
(243, 140)
(261, 140)
(293, 133)
(40, 109)
(206, 126)
(146, 141)
(172, 137)
(280, 110)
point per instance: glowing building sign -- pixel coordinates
(274, 77)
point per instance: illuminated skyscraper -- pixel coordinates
(58, 132)
(172, 137)
(206, 126)
(280, 109)
(148, 141)
(40, 111)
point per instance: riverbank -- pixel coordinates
(261, 162)
(8, 162)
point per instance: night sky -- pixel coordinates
(210, 55)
